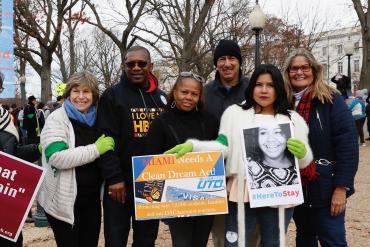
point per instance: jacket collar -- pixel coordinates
(150, 86)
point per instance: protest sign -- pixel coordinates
(166, 187)
(272, 171)
(19, 182)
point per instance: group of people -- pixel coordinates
(87, 146)
(360, 111)
(30, 119)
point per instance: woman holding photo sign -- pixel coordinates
(184, 118)
(266, 101)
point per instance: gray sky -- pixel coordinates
(335, 13)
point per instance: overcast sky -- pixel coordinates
(337, 13)
(333, 13)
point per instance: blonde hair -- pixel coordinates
(83, 78)
(319, 89)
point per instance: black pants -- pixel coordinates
(7, 243)
(190, 231)
(360, 129)
(117, 223)
(84, 232)
(32, 138)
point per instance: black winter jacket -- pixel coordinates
(175, 126)
(125, 112)
(333, 140)
(218, 98)
(9, 145)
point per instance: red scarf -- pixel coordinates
(309, 173)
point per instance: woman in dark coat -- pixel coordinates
(184, 118)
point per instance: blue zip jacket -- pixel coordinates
(333, 139)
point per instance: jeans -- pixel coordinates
(316, 224)
(117, 223)
(266, 217)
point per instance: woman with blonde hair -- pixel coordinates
(329, 179)
(70, 193)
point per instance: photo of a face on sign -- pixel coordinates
(272, 172)
(268, 161)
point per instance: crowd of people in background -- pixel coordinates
(88, 141)
(34, 120)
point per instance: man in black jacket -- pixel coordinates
(30, 121)
(125, 113)
(226, 89)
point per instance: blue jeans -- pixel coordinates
(316, 224)
(266, 217)
(117, 223)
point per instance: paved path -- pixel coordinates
(358, 216)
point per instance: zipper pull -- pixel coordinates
(318, 118)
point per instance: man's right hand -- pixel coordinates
(117, 192)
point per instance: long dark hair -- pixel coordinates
(281, 104)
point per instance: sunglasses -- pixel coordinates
(303, 68)
(132, 64)
(192, 75)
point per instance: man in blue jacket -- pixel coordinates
(125, 113)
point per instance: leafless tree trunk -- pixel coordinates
(42, 21)
(68, 61)
(363, 14)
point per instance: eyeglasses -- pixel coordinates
(192, 75)
(132, 64)
(303, 68)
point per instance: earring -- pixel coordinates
(173, 104)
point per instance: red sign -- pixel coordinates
(19, 183)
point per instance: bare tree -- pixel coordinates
(67, 57)
(182, 24)
(42, 21)
(107, 60)
(188, 31)
(279, 38)
(362, 10)
(134, 9)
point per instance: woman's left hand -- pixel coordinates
(338, 201)
(296, 147)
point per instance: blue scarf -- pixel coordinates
(87, 118)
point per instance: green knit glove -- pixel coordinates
(180, 149)
(296, 147)
(104, 144)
